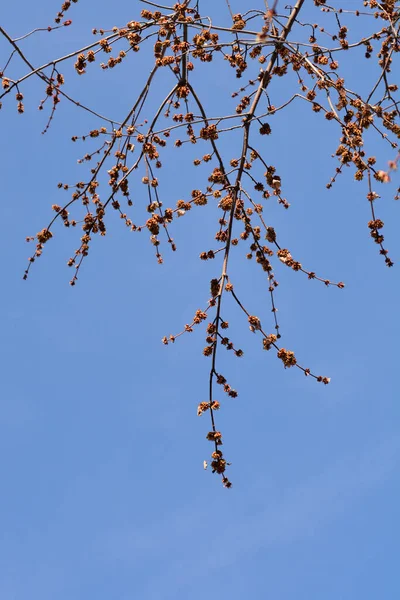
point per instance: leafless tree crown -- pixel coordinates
(258, 46)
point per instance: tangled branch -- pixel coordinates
(269, 45)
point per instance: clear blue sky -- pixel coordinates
(103, 492)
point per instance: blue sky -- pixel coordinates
(104, 493)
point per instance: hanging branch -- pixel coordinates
(265, 44)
